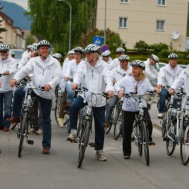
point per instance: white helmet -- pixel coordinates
(43, 43)
(173, 56)
(106, 53)
(71, 52)
(34, 46)
(4, 47)
(92, 48)
(57, 55)
(155, 58)
(79, 49)
(120, 49)
(138, 63)
(124, 57)
(12, 52)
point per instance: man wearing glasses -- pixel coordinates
(8, 69)
(115, 62)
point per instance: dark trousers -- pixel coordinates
(99, 118)
(129, 118)
(45, 105)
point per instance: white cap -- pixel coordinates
(106, 53)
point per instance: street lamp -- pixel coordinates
(70, 28)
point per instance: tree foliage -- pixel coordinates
(29, 40)
(50, 20)
(113, 39)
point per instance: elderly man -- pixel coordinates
(46, 72)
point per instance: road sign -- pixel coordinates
(104, 48)
(97, 40)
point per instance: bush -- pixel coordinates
(159, 47)
(164, 53)
(142, 47)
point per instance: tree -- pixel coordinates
(113, 39)
(50, 20)
(1, 29)
(30, 40)
(141, 46)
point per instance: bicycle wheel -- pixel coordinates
(164, 124)
(184, 146)
(138, 137)
(117, 124)
(23, 126)
(57, 108)
(145, 142)
(79, 123)
(113, 115)
(83, 141)
(170, 141)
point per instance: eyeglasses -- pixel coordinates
(3, 51)
(78, 53)
(118, 53)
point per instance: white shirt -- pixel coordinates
(150, 71)
(128, 84)
(114, 63)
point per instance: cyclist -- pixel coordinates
(167, 75)
(92, 74)
(106, 56)
(150, 70)
(115, 62)
(12, 54)
(8, 69)
(117, 74)
(58, 56)
(139, 84)
(46, 72)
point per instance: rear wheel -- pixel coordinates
(184, 146)
(171, 140)
(23, 126)
(57, 108)
(83, 141)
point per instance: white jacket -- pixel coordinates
(165, 76)
(9, 64)
(96, 79)
(71, 69)
(150, 71)
(44, 72)
(128, 84)
(114, 63)
(182, 81)
(118, 73)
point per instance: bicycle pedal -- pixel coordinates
(92, 144)
(31, 142)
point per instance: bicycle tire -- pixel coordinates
(23, 126)
(138, 137)
(117, 125)
(145, 142)
(184, 146)
(171, 144)
(79, 122)
(107, 130)
(83, 141)
(57, 109)
(164, 126)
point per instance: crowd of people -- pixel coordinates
(90, 68)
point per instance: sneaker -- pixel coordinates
(6, 129)
(127, 157)
(14, 120)
(39, 132)
(60, 122)
(72, 138)
(160, 115)
(151, 143)
(100, 155)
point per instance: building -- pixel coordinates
(152, 21)
(14, 36)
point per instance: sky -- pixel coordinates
(22, 3)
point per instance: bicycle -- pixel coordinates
(184, 135)
(140, 128)
(86, 125)
(23, 128)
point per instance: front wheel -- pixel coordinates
(118, 125)
(23, 126)
(184, 146)
(145, 142)
(57, 109)
(83, 141)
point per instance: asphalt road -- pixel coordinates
(59, 169)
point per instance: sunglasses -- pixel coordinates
(118, 53)
(78, 53)
(3, 51)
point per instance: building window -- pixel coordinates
(124, 1)
(122, 22)
(161, 2)
(160, 25)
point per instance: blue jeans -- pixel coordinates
(6, 100)
(70, 93)
(45, 105)
(112, 102)
(163, 95)
(99, 118)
